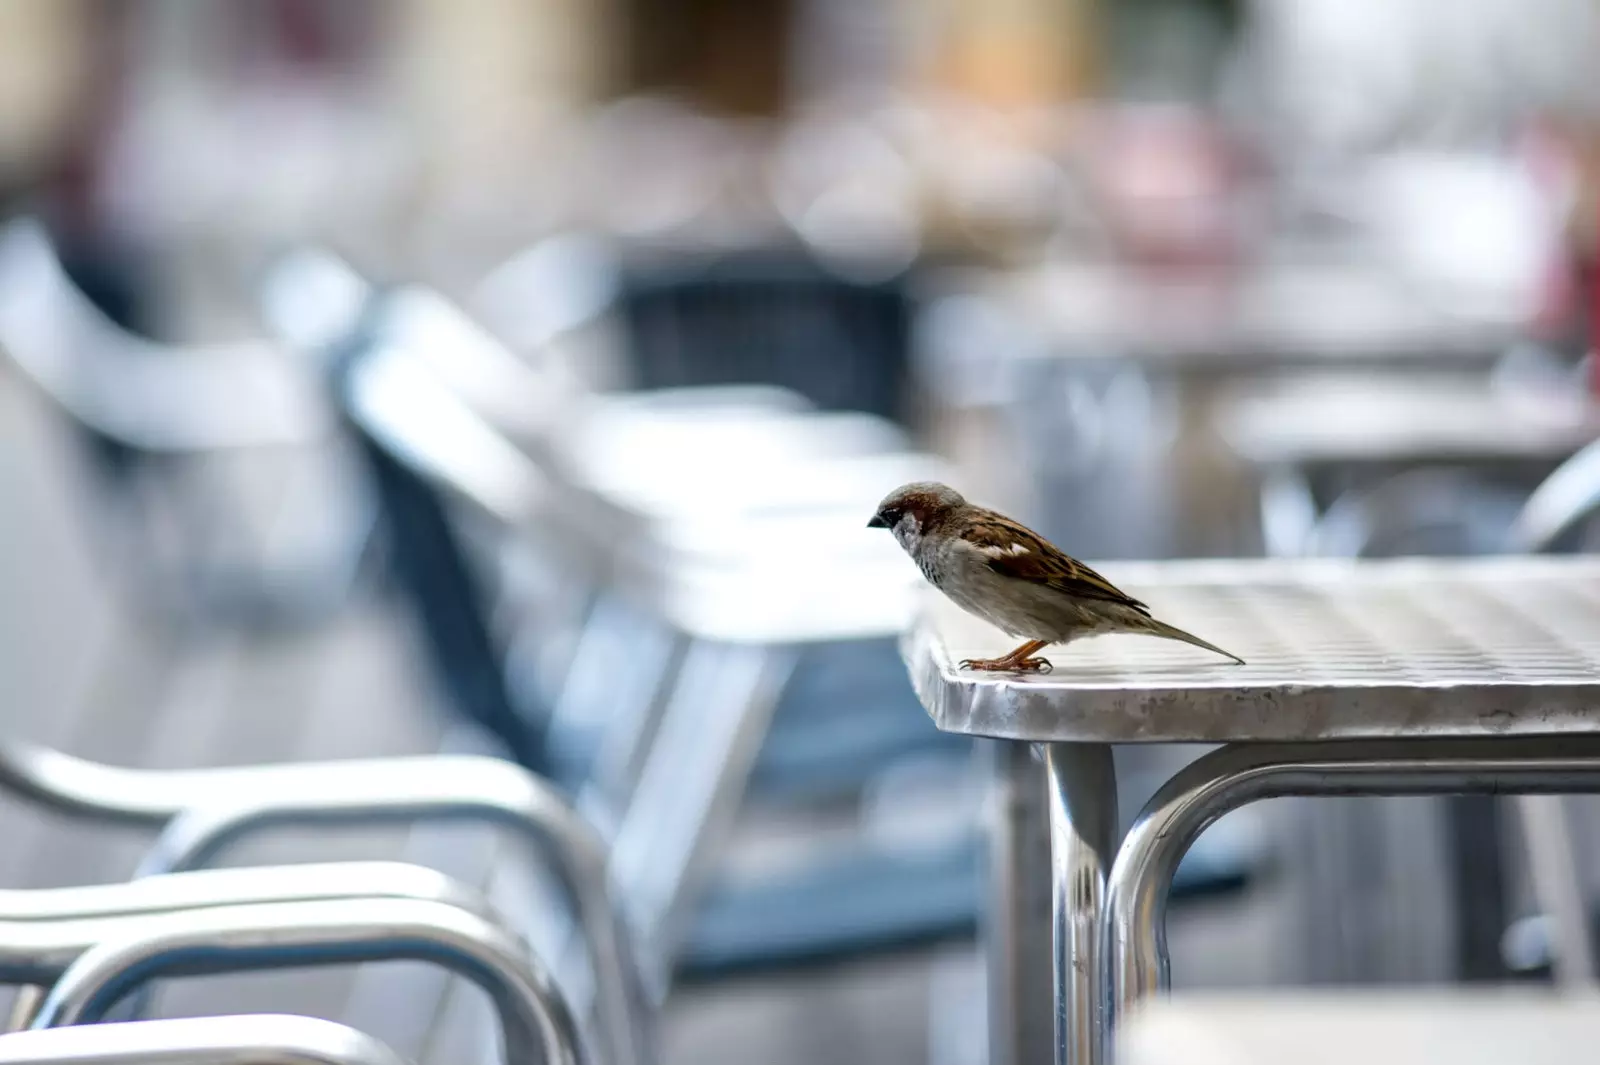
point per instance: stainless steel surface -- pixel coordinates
(536, 1024)
(1337, 649)
(1018, 955)
(250, 1039)
(435, 788)
(1232, 776)
(1081, 794)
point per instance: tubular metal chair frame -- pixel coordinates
(46, 928)
(464, 787)
(252, 1039)
(537, 1025)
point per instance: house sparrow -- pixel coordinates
(1011, 577)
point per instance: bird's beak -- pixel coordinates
(877, 522)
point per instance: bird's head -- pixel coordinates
(912, 509)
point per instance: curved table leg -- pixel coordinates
(1235, 775)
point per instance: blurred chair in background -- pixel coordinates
(159, 426)
(775, 317)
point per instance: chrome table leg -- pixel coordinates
(1081, 784)
(1238, 774)
(1045, 916)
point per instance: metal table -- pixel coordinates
(1372, 678)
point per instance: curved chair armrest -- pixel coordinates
(180, 892)
(150, 396)
(254, 1039)
(241, 800)
(441, 787)
(38, 946)
(50, 927)
(150, 797)
(536, 1023)
(1565, 498)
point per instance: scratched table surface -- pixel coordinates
(1334, 649)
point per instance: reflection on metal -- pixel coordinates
(536, 1024)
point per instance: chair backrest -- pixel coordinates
(770, 318)
(45, 328)
(415, 437)
(1416, 512)
(131, 394)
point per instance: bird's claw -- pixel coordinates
(1004, 665)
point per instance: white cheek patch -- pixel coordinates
(908, 532)
(995, 551)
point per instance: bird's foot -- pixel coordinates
(1007, 665)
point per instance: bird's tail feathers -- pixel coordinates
(1161, 628)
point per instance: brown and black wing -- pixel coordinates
(1018, 552)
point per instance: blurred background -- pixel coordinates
(1165, 278)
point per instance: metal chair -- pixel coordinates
(44, 930)
(537, 1024)
(772, 317)
(158, 424)
(204, 810)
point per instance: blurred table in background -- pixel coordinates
(1098, 382)
(1408, 464)
(1413, 1028)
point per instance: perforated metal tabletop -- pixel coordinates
(1335, 649)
